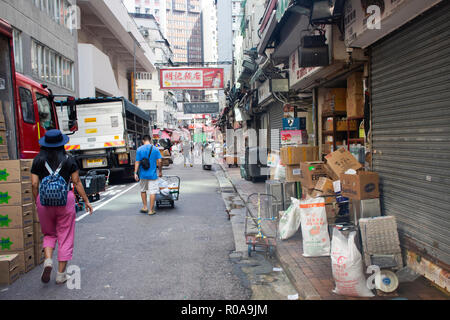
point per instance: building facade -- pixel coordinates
(45, 41)
(110, 49)
(160, 104)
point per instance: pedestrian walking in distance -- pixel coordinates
(52, 171)
(186, 149)
(148, 158)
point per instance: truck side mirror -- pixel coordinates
(72, 114)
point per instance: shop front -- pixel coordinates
(410, 97)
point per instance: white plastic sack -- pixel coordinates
(290, 220)
(316, 240)
(163, 187)
(280, 172)
(347, 266)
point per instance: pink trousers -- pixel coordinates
(58, 225)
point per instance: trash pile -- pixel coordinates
(337, 211)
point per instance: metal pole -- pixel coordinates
(134, 71)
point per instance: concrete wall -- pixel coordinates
(97, 73)
(34, 23)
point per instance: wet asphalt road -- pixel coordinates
(180, 253)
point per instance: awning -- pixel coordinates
(155, 132)
(165, 135)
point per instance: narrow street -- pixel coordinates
(180, 253)
(185, 253)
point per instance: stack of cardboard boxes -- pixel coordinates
(16, 216)
(318, 178)
(355, 95)
(292, 158)
(335, 100)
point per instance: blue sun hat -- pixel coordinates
(54, 139)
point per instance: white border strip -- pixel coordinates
(105, 203)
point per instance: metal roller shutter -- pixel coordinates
(275, 122)
(411, 130)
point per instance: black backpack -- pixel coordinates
(145, 163)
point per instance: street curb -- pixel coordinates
(304, 287)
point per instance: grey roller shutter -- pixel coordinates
(275, 122)
(411, 130)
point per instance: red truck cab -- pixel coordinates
(27, 108)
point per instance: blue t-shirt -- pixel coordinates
(142, 153)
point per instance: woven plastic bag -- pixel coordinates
(290, 220)
(163, 187)
(316, 240)
(347, 266)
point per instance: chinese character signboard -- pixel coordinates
(191, 78)
(201, 107)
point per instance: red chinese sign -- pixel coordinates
(191, 78)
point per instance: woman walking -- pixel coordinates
(57, 222)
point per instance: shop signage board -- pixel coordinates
(191, 78)
(264, 91)
(201, 107)
(282, 6)
(294, 137)
(361, 28)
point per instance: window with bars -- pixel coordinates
(50, 66)
(18, 53)
(144, 76)
(144, 94)
(59, 10)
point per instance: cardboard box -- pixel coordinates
(26, 259)
(341, 160)
(330, 173)
(9, 268)
(306, 192)
(4, 156)
(364, 185)
(15, 194)
(39, 254)
(293, 173)
(35, 214)
(335, 100)
(327, 148)
(16, 239)
(355, 83)
(311, 172)
(3, 140)
(355, 105)
(295, 154)
(2, 117)
(331, 213)
(231, 160)
(341, 125)
(325, 185)
(37, 233)
(15, 171)
(16, 217)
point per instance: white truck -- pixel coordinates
(109, 132)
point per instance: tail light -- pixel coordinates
(123, 158)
